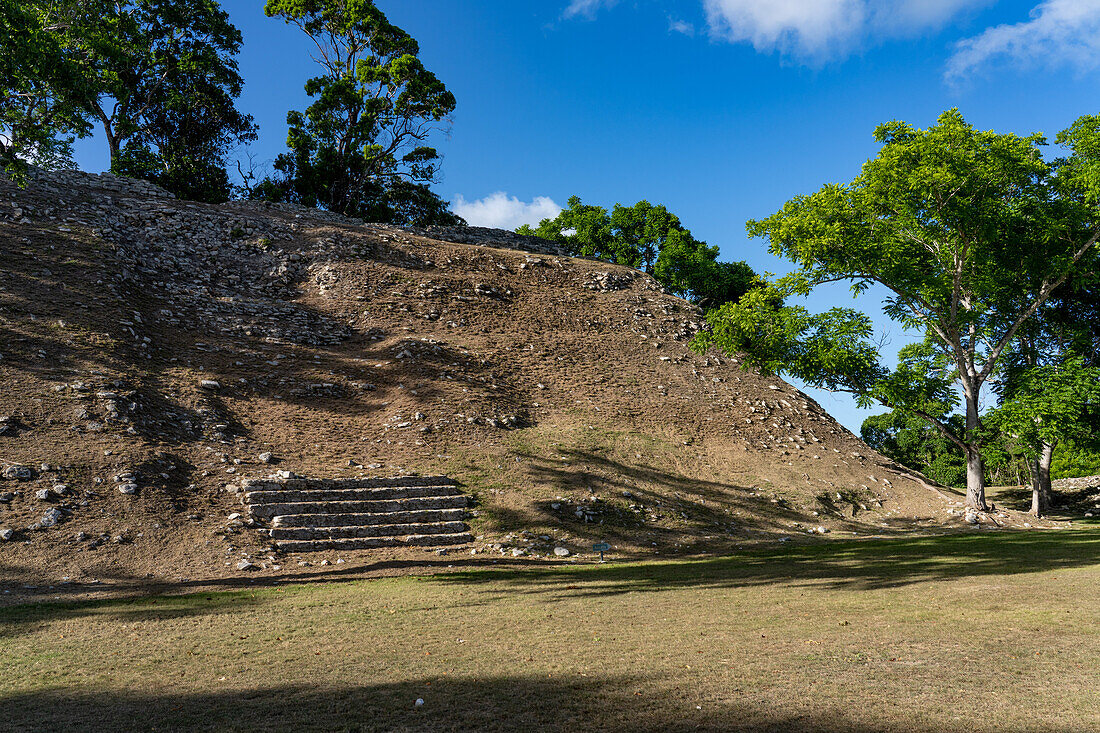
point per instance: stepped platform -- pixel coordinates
(307, 515)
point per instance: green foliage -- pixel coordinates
(1049, 404)
(160, 76)
(166, 82)
(828, 349)
(915, 443)
(1072, 460)
(41, 90)
(359, 149)
(970, 232)
(650, 238)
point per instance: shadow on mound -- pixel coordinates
(450, 704)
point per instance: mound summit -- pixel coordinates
(156, 355)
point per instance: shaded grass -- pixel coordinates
(990, 631)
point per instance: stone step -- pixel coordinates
(370, 543)
(357, 507)
(280, 484)
(372, 530)
(289, 496)
(359, 520)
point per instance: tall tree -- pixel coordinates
(970, 233)
(166, 83)
(1050, 380)
(359, 149)
(159, 76)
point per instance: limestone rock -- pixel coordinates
(17, 473)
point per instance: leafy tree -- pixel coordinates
(970, 232)
(359, 149)
(41, 90)
(650, 238)
(585, 230)
(1049, 380)
(165, 79)
(159, 76)
(1050, 403)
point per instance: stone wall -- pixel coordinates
(1084, 482)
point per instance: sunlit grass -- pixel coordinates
(989, 631)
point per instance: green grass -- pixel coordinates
(976, 632)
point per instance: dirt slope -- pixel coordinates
(165, 345)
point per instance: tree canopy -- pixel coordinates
(360, 148)
(158, 76)
(969, 232)
(41, 90)
(650, 238)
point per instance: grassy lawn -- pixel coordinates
(979, 632)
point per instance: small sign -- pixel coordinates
(601, 547)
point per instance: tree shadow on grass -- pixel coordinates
(17, 619)
(855, 565)
(137, 598)
(851, 565)
(566, 703)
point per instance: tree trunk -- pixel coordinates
(114, 142)
(975, 480)
(1046, 491)
(975, 467)
(1037, 503)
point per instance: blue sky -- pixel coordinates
(720, 109)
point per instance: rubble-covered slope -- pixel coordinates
(151, 350)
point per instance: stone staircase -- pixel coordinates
(305, 515)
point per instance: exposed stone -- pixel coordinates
(128, 489)
(561, 552)
(17, 473)
(51, 517)
(266, 458)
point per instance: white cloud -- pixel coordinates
(817, 30)
(1060, 33)
(501, 211)
(587, 8)
(681, 26)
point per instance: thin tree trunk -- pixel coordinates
(1037, 505)
(1046, 491)
(114, 142)
(975, 467)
